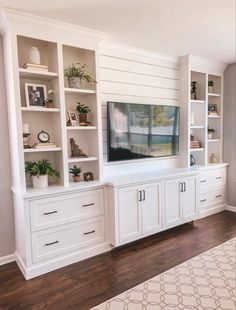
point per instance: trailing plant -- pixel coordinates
(211, 130)
(210, 83)
(82, 108)
(75, 170)
(41, 167)
(79, 71)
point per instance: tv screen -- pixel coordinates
(140, 131)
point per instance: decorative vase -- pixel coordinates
(76, 178)
(210, 89)
(192, 160)
(34, 55)
(74, 82)
(213, 158)
(40, 181)
(83, 118)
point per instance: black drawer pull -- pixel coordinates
(52, 212)
(203, 181)
(51, 243)
(218, 196)
(89, 232)
(203, 200)
(89, 204)
(218, 178)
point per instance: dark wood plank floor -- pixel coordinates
(85, 284)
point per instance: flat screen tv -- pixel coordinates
(138, 131)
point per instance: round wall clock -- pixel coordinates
(43, 136)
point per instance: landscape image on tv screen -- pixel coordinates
(142, 131)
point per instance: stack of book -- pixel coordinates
(35, 67)
(44, 145)
(195, 144)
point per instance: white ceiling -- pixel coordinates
(205, 28)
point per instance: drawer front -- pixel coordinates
(215, 197)
(51, 212)
(211, 179)
(57, 241)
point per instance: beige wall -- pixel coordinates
(7, 244)
(230, 130)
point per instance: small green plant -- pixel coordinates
(41, 167)
(210, 83)
(79, 71)
(75, 171)
(82, 108)
(211, 130)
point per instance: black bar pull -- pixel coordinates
(89, 204)
(144, 195)
(51, 243)
(203, 181)
(218, 178)
(140, 195)
(181, 187)
(184, 186)
(89, 232)
(52, 212)
(217, 196)
(203, 200)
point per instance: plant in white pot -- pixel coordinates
(75, 171)
(210, 86)
(211, 132)
(83, 111)
(75, 73)
(39, 171)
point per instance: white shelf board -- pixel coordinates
(197, 127)
(46, 149)
(213, 116)
(213, 95)
(81, 127)
(82, 159)
(213, 140)
(37, 74)
(197, 101)
(79, 91)
(197, 150)
(39, 109)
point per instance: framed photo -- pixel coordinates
(35, 95)
(212, 109)
(73, 120)
(88, 176)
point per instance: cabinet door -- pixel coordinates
(173, 212)
(189, 198)
(151, 208)
(129, 214)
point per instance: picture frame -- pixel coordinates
(88, 176)
(35, 95)
(212, 109)
(73, 119)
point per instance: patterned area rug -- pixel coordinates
(205, 282)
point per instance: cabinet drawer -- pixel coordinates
(57, 241)
(51, 212)
(212, 179)
(214, 197)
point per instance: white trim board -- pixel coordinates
(231, 208)
(7, 259)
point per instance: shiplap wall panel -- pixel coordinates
(133, 77)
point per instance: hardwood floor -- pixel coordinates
(85, 284)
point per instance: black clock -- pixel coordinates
(43, 137)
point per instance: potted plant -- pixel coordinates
(75, 73)
(75, 171)
(39, 171)
(83, 111)
(210, 86)
(211, 131)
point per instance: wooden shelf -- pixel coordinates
(81, 159)
(197, 150)
(214, 95)
(197, 101)
(48, 149)
(79, 91)
(37, 75)
(39, 109)
(81, 127)
(197, 127)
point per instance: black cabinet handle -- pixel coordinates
(51, 243)
(52, 212)
(144, 195)
(203, 181)
(203, 200)
(217, 196)
(184, 186)
(89, 205)
(181, 187)
(89, 232)
(140, 195)
(218, 178)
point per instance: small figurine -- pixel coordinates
(76, 151)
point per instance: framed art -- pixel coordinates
(212, 109)
(88, 176)
(35, 95)
(73, 120)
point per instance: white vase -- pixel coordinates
(210, 89)
(34, 55)
(40, 181)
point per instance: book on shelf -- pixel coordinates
(44, 145)
(30, 66)
(195, 144)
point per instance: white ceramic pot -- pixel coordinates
(34, 55)
(74, 82)
(40, 181)
(210, 135)
(210, 89)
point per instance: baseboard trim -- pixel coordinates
(211, 211)
(7, 259)
(231, 208)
